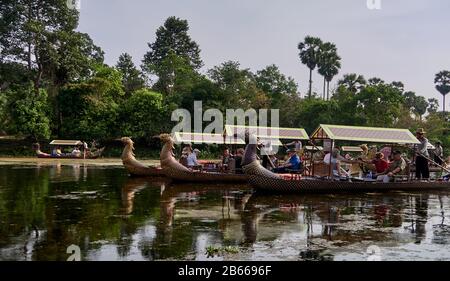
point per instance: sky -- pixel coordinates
(405, 40)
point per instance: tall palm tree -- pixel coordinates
(329, 64)
(309, 55)
(442, 81)
(353, 82)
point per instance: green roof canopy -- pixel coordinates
(365, 134)
(269, 132)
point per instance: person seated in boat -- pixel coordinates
(187, 150)
(76, 152)
(56, 151)
(292, 164)
(396, 167)
(238, 160)
(226, 159)
(380, 164)
(446, 165)
(192, 161)
(334, 159)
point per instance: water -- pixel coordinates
(45, 209)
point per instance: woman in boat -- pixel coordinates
(397, 167)
(335, 162)
(381, 165)
(192, 161)
(226, 159)
(238, 160)
(56, 151)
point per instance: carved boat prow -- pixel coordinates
(133, 166)
(177, 172)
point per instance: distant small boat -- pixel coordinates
(82, 155)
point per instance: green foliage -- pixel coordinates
(310, 55)
(30, 113)
(172, 39)
(132, 78)
(238, 86)
(90, 109)
(275, 84)
(142, 113)
(313, 112)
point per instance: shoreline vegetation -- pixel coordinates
(55, 84)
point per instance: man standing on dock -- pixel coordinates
(422, 156)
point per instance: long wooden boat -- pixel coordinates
(133, 166)
(263, 179)
(89, 155)
(177, 172)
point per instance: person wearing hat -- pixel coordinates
(422, 156)
(439, 153)
(293, 163)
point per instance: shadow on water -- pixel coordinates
(110, 216)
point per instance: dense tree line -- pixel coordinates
(54, 83)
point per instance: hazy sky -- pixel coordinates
(407, 40)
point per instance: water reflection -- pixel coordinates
(44, 209)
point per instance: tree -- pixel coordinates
(41, 35)
(353, 82)
(380, 105)
(238, 86)
(329, 64)
(309, 56)
(442, 82)
(172, 39)
(176, 77)
(142, 114)
(90, 109)
(416, 104)
(433, 105)
(375, 81)
(30, 113)
(398, 85)
(132, 79)
(275, 84)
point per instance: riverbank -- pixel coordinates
(50, 162)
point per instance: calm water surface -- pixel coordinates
(45, 209)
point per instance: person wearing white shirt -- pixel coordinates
(192, 159)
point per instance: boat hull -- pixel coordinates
(193, 176)
(67, 157)
(269, 182)
(143, 171)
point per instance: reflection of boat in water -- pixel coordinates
(87, 154)
(176, 171)
(134, 167)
